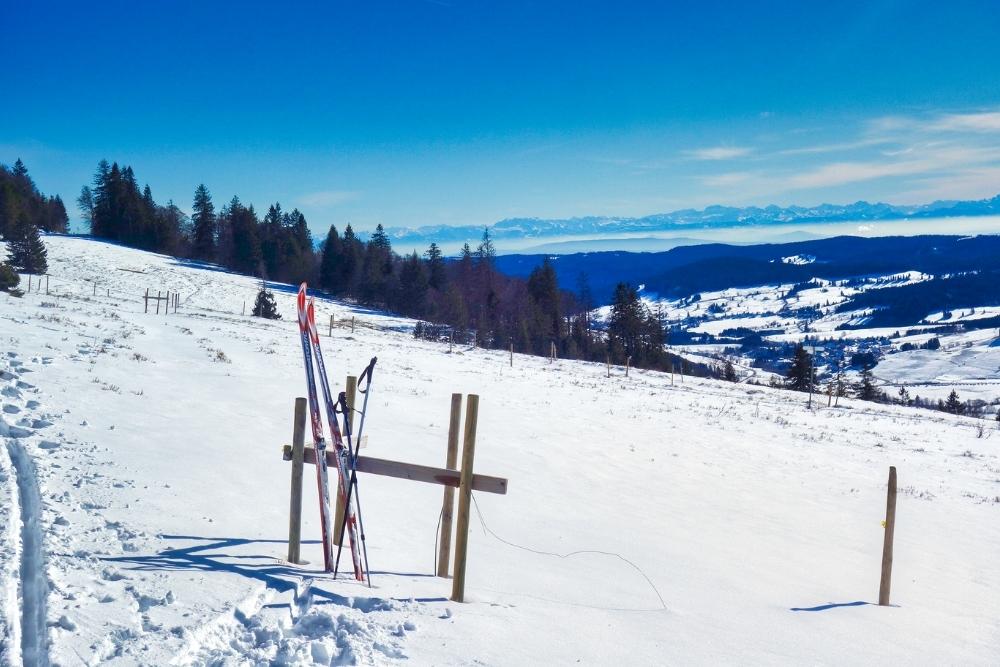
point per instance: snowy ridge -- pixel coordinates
(156, 440)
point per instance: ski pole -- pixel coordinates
(352, 487)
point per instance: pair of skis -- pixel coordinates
(345, 458)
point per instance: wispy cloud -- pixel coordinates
(719, 153)
(988, 121)
(327, 198)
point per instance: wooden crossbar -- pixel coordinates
(412, 471)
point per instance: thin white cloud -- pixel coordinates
(325, 198)
(969, 122)
(719, 153)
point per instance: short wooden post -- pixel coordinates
(295, 509)
(890, 529)
(244, 308)
(95, 288)
(609, 365)
(46, 283)
(29, 282)
(352, 323)
(146, 300)
(109, 292)
(331, 327)
(448, 506)
(166, 304)
(351, 387)
(451, 341)
(465, 499)
(157, 302)
(512, 355)
(628, 361)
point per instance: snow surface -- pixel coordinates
(154, 441)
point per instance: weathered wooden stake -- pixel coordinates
(352, 323)
(158, 302)
(465, 498)
(609, 365)
(448, 506)
(628, 361)
(451, 341)
(145, 298)
(244, 308)
(109, 292)
(331, 327)
(890, 528)
(46, 283)
(511, 355)
(295, 510)
(95, 288)
(166, 304)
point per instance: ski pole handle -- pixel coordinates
(367, 373)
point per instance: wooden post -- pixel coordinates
(244, 308)
(46, 283)
(157, 302)
(166, 304)
(29, 282)
(295, 509)
(352, 323)
(331, 327)
(338, 516)
(890, 529)
(448, 506)
(146, 299)
(609, 365)
(511, 355)
(465, 498)
(95, 288)
(628, 361)
(109, 292)
(451, 340)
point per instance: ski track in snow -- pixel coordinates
(27, 585)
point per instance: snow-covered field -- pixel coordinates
(709, 522)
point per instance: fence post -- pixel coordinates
(157, 302)
(465, 498)
(145, 299)
(451, 341)
(29, 282)
(352, 323)
(609, 365)
(244, 308)
(95, 288)
(46, 283)
(331, 327)
(628, 361)
(890, 529)
(512, 355)
(166, 304)
(295, 509)
(448, 506)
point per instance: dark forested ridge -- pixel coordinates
(468, 294)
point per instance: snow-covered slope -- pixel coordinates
(708, 522)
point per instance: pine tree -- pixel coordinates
(330, 264)
(435, 267)
(729, 372)
(27, 251)
(954, 405)
(8, 277)
(866, 389)
(799, 376)
(203, 218)
(265, 306)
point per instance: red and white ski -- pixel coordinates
(322, 478)
(342, 454)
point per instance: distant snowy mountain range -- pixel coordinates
(712, 217)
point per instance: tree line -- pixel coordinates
(467, 293)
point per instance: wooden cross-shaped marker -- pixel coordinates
(464, 479)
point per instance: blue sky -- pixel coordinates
(451, 112)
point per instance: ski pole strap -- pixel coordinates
(367, 373)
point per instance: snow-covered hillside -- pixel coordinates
(696, 523)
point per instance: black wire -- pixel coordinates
(539, 552)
